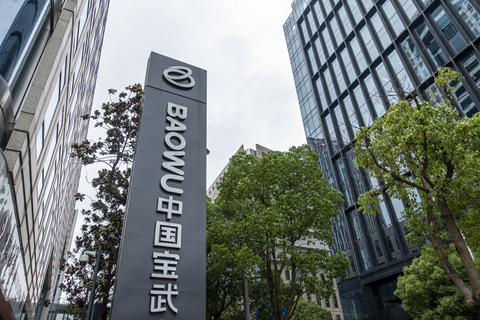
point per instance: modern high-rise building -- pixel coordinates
(349, 58)
(49, 55)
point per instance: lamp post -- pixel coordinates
(97, 264)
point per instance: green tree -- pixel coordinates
(311, 311)
(276, 216)
(426, 291)
(423, 147)
(224, 275)
(103, 223)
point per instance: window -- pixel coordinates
(352, 116)
(399, 69)
(303, 26)
(321, 55)
(362, 105)
(368, 4)
(333, 135)
(311, 57)
(381, 31)
(344, 19)
(409, 9)
(335, 302)
(327, 40)
(287, 275)
(362, 64)
(321, 92)
(369, 43)
(344, 182)
(468, 14)
(374, 96)
(392, 16)
(349, 71)
(415, 60)
(338, 73)
(386, 83)
(327, 6)
(345, 137)
(357, 15)
(311, 22)
(330, 87)
(337, 36)
(318, 12)
(449, 30)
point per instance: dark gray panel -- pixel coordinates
(134, 283)
(155, 78)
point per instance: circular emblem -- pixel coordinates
(176, 75)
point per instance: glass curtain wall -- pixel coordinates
(362, 56)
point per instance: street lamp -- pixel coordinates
(83, 261)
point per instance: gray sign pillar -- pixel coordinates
(161, 270)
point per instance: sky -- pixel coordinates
(251, 94)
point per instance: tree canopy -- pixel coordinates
(426, 291)
(311, 311)
(426, 155)
(103, 223)
(275, 216)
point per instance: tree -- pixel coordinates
(276, 216)
(103, 223)
(423, 147)
(224, 275)
(426, 291)
(311, 311)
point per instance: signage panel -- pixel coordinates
(161, 270)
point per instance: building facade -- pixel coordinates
(351, 59)
(49, 55)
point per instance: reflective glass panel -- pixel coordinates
(355, 10)
(374, 96)
(449, 30)
(409, 9)
(328, 41)
(311, 57)
(337, 36)
(318, 12)
(365, 257)
(352, 116)
(348, 65)
(392, 16)
(415, 60)
(341, 126)
(321, 93)
(362, 64)
(321, 55)
(338, 73)
(19, 21)
(381, 31)
(330, 86)
(431, 44)
(368, 40)
(333, 136)
(311, 22)
(387, 85)
(399, 69)
(469, 15)
(303, 26)
(345, 183)
(362, 105)
(327, 6)
(344, 18)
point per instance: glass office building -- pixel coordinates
(349, 58)
(49, 55)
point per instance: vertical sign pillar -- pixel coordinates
(161, 270)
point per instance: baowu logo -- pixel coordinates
(176, 74)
